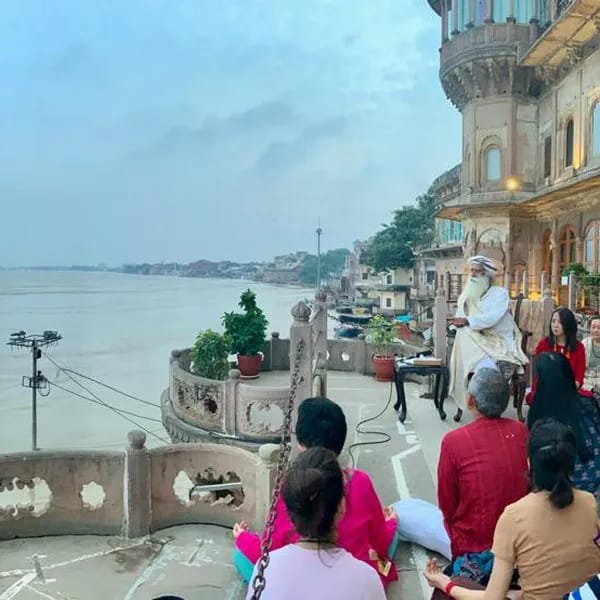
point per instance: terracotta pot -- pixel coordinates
(384, 367)
(249, 365)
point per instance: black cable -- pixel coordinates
(110, 387)
(102, 401)
(105, 404)
(384, 437)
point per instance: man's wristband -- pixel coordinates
(449, 587)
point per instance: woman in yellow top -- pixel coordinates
(551, 536)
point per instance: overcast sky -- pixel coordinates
(148, 130)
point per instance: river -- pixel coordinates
(118, 329)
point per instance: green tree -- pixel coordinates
(332, 263)
(411, 227)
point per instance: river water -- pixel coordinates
(118, 329)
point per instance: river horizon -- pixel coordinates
(117, 328)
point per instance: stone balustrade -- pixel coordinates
(134, 492)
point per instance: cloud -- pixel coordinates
(280, 155)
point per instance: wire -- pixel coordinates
(105, 404)
(102, 401)
(384, 437)
(110, 387)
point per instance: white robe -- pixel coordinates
(490, 337)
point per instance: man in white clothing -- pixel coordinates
(486, 334)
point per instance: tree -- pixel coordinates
(332, 263)
(411, 227)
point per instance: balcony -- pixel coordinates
(446, 187)
(573, 24)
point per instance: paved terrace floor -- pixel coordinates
(194, 561)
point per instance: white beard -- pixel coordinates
(468, 301)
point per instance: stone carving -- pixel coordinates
(92, 495)
(263, 417)
(202, 402)
(20, 498)
(301, 312)
(232, 497)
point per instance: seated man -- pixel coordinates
(482, 468)
(486, 333)
(366, 529)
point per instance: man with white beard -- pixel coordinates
(486, 334)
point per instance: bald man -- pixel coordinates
(486, 331)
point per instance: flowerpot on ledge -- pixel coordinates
(249, 365)
(384, 367)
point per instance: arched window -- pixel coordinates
(493, 164)
(596, 130)
(591, 248)
(566, 247)
(522, 11)
(500, 11)
(569, 136)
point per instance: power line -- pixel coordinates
(105, 404)
(61, 368)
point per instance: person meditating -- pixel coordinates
(315, 566)
(486, 331)
(550, 536)
(366, 529)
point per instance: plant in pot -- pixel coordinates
(210, 355)
(380, 334)
(247, 331)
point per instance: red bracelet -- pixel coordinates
(449, 587)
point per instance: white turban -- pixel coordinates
(484, 262)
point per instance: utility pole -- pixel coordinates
(34, 342)
(319, 233)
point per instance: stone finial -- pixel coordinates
(269, 453)
(321, 295)
(136, 439)
(234, 374)
(301, 312)
(275, 335)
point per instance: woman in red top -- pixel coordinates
(562, 339)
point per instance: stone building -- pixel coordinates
(525, 75)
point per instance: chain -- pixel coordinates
(259, 582)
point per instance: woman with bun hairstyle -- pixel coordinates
(550, 536)
(315, 566)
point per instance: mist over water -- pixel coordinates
(117, 328)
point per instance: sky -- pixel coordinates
(149, 130)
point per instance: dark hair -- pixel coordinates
(321, 422)
(569, 324)
(556, 397)
(552, 450)
(312, 491)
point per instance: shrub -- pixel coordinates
(209, 355)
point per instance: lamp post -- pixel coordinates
(319, 233)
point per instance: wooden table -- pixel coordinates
(440, 390)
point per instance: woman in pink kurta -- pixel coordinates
(365, 530)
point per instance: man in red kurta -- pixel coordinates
(482, 466)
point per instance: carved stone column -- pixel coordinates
(136, 487)
(579, 250)
(555, 276)
(489, 17)
(455, 17)
(444, 21)
(511, 12)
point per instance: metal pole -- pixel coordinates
(319, 232)
(34, 380)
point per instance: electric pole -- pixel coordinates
(319, 233)
(34, 342)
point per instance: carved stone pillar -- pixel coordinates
(511, 12)
(578, 250)
(455, 17)
(555, 276)
(489, 17)
(444, 21)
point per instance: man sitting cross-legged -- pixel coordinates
(481, 470)
(366, 529)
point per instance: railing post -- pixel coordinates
(301, 357)
(265, 481)
(137, 490)
(319, 322)
(547, 308)
(440, 315)
(230, 402)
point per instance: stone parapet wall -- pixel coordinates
(134, 492)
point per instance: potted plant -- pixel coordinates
(381, 334)
(246, 331)
(210, 354)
